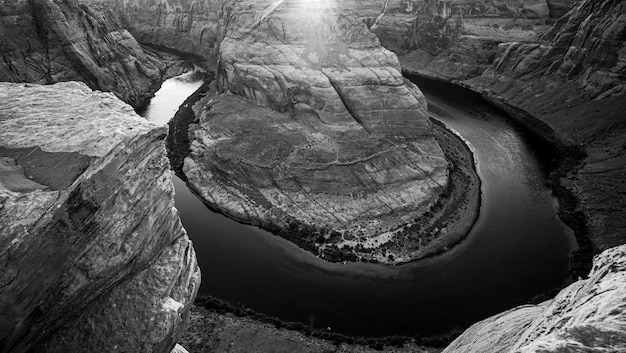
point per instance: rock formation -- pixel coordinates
(48, 41)
(587, 316)
(316, 134)
(193, 27)
(93, 255)
(587, 43)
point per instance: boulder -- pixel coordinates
(93, 253)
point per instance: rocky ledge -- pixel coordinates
(93, 255)
(317, 136)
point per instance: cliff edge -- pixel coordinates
(93, 254)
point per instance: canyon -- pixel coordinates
(111, 247)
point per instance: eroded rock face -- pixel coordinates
(456, 39)
(588, 43)
(188, 26)
(316, 128)
(587, 316)
(559, 8)
(93, 255)
(48, 41)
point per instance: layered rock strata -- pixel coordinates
(48, 41)
(93, 255)
(587, 316)
(316, 133)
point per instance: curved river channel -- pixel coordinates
(518, 248)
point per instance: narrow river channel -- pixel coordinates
(517, 250)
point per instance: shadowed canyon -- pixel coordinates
(347, 176)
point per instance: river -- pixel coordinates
(517, 250)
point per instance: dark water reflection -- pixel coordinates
(517, 250)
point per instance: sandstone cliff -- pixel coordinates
(93, 254)
(316, 134)
(587, 316)
(48, 41)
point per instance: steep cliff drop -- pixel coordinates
(93, 254)
(318, 137)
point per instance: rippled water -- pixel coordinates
(517, 250)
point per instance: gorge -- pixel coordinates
(586, 179)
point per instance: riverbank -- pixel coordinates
(569, 158)
(215, 324)
(452, 217)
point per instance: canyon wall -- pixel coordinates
(575, 83)
(93, 254)
(193, 27)
(48, 41)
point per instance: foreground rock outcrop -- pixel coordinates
(587, 316)
(93, 256)
(48, 41)
(317, 136)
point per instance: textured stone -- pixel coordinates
(588, 43)
(587, 316)
(48, 41)
(190, 26)
(316, 130)
(99, 261)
